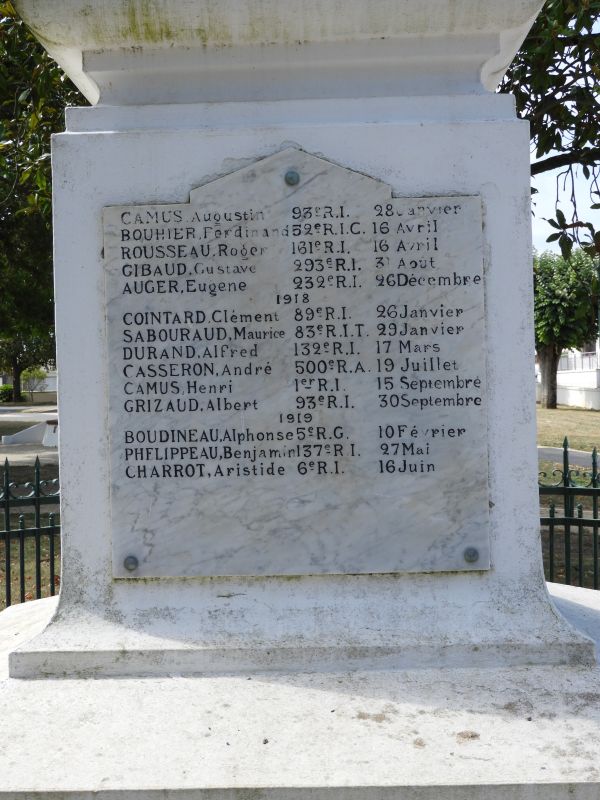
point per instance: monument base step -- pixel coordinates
(72, 663)
(81, 644)
(462, 734)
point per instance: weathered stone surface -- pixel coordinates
(414, 686)
(148, 51)
(459, 734)
(228, 623)
(295, 373)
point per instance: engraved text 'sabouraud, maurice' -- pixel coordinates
(297, 377)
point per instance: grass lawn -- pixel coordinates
(576, 553)
(574, 560)
(20, 475)
(581, 427)
(29, 574)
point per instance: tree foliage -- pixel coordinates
(19, 353)
(566, 311)
(34, 380)
(555, 79)
(33, 94)
(26, 276)
(26, 294)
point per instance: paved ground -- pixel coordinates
(27, 414)
(577, 458)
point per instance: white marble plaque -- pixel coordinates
(297, 377)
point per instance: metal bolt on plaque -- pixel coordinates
(131, 563)
(292, 178)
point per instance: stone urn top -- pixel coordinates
(132, 51)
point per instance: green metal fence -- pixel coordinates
(569, 522)
(30, 541)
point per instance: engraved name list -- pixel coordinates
(297, 376)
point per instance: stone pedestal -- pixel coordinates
(118, 625)
(499, 733)
(297, 640)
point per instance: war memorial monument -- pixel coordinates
(294, 329)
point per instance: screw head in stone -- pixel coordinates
(292, 178)
(131, 563)
(471, 555)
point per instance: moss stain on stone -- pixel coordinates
(218, 33)
(147, 22)
(260, 28)
(202, 35)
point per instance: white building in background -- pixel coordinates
(50, 384)
(46, 394)
(578, 377)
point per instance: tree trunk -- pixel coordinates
(548, 357)
(16, 379)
